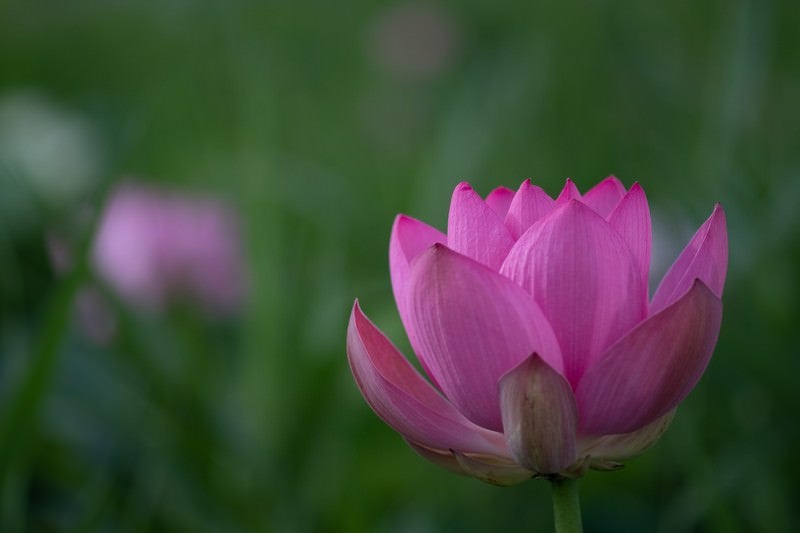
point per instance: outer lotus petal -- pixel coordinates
(404, 400)
(652, 369)
(410, 237)
(539, 416)
(475, 229)
(705, 257)
(626, 445)
(605, 196)
(494, 470)
(503, 473)
(473, 325)
(529, 205)
(499, 200)
(585, 279)
(569, 192)
(631, 219)
(443, 458)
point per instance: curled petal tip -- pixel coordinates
(705, 257)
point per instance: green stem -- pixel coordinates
(566, 506)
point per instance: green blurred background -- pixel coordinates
(319, 121)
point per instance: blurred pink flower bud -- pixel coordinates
(532, 321)
(154, 247)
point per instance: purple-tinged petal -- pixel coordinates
(705, 258)
(653, 368)
(539, 416)
(475, 229)
(494, 470)
(530, 203)
(402, 398)
(499, 200)
(631, 219)
(472, 326)
(569, 192)
(584, 278)
(410, 237)
(605, 196)
(626, 445)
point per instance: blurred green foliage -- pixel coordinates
(309, 118)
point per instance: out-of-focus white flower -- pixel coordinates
(56, 150)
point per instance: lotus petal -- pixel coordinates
(583, 276)
(493, 470)
(705, 258)
(473, 325)
(653, 368)
(569, 192)
(626, 445)
(404, 400)
(499, 200)
(530, 203)
(474, 229)
(631, 219)
(605, 196)
(410, 237)
(539, 416)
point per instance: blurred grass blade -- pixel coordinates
(20, 415)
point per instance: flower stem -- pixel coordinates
(566, 506)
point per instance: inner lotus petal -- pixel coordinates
(584, 277)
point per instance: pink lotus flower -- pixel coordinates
(532, 321)
(154, 247)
